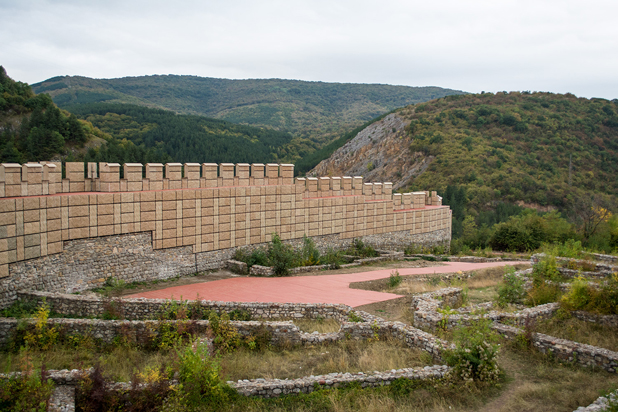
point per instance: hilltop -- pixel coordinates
(494, 157)
(539, 148)
(33, 128)
(313, 112)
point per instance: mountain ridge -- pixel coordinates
(504, 147)
(314, 112)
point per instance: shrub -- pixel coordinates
(546, 269)
(332, 259)
(20, 308)
(28, 392)
(542, 292)
(359, 249)
(512, 288)
(256, 257)
(394, 280)
(41, 336)
(529, 230)
(200, 383)
(582, 296)
(578, 296)
(476, 352)
(354, 317)
(226, 337)
(309, 254)
(93, 393)
(168, 335)
(280, 256)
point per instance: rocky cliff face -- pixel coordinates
(379, 153)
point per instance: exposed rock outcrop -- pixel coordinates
(380, 152)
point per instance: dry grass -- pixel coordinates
(120, 364)
(538, 384)
(479, 279)
(346, 356)
(532, 383)
(321, 326)
(580, 331)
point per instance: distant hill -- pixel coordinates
(315, 113)
(183, 138)
(536, 149)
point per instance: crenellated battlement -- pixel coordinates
(45, 178)
(208, 207)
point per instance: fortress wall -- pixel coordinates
(200, 212)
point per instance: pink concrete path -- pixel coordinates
(302, 289)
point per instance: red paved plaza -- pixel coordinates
(302, 289)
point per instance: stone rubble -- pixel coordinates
(601, 404)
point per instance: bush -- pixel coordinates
(475, 356)
(542, 292)
(359, 249)
(309, 254)
(256, 257)
(544, 277)
(546, 269)
(41, 336)
(394, 280)
(582, 296)
(529, 231)
(28, 392)
(280, 256)
(200, 382)
(93, 393)
(332, 259)
(226, 337)
(571, 248)
(512, 288)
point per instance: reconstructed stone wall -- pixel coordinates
(142, 308)
(69, 231)
(426, 316)
(566, 350)
(140, 331)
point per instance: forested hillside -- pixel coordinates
(315, 113)
(33, 128)
(183, 138)
(541, 148)
(493, 155)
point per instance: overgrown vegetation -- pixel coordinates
(476, 354)
(512, 288)
(582, 295)
(360, 249)
(28, 392)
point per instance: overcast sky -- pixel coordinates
(472, 45)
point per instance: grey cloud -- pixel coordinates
(475, 45)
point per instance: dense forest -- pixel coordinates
(496, 154)
(315, 113)
(33, 128)
(183, 138)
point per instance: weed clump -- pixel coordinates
(584, 296)
(394, 280)
(512, 288)
(475, 357)
(29, 391)
(359, 249)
